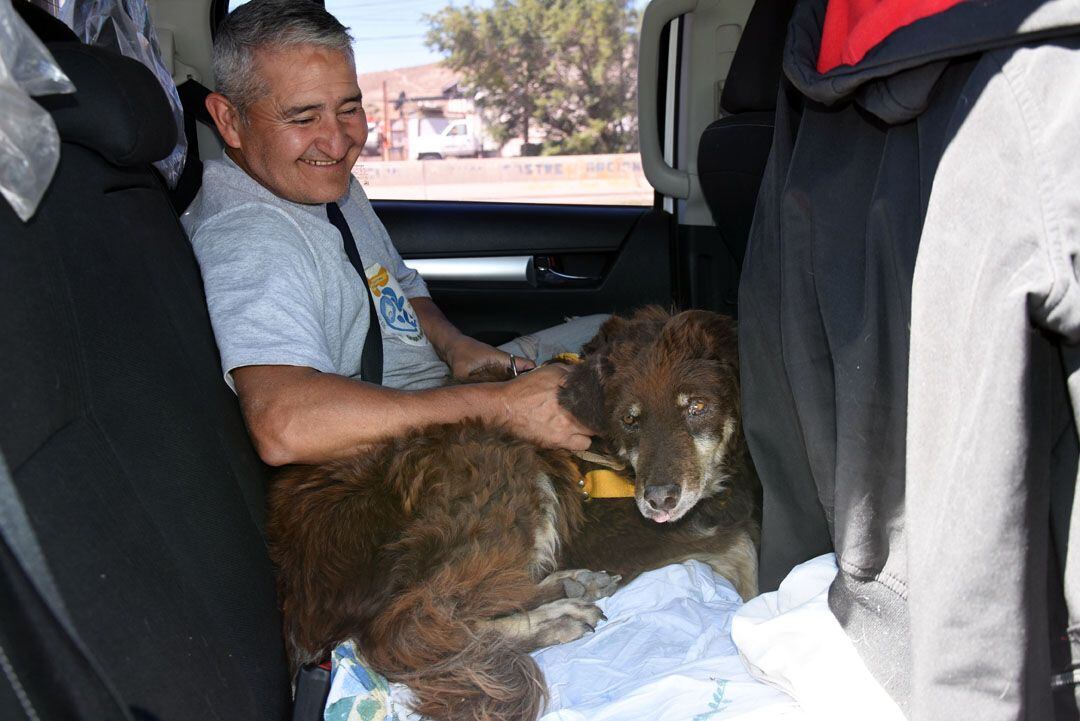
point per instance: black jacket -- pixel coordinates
(872, 166)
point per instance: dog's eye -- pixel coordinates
(629, 418)
(696, 407)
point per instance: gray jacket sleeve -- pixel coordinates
(991, 446)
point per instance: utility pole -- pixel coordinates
(388, 131)
(399, 105)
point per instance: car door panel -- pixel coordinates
(575, 260)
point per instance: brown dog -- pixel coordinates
(439, 553)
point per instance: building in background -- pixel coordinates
(428, 116)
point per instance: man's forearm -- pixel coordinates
(462, 353)
(298, 415)
(438, 328)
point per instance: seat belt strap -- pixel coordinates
(371, 362)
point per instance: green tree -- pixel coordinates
(567, 67)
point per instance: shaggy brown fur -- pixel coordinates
(438, 553)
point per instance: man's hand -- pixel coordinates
(533, 411)
(466, 355)
(462, 353)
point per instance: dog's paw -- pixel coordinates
(566, 620)
(589, 585)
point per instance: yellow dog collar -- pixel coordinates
(603, 483)
(570, 359)
(600, 483)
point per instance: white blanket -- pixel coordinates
(666, 654)
(791, 639)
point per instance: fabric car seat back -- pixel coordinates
(733, 149)
(127, 448)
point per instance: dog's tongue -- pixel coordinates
(662, 517)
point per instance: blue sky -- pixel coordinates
(390, 33)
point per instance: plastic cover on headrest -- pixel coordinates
(126, 26)
(29, 141)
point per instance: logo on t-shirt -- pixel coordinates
(396, 314)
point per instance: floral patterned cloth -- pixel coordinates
(356, 692)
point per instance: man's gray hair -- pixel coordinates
(269, 25)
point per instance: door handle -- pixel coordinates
(543, 274)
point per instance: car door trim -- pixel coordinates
(503, 269)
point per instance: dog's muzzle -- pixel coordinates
(661, 501)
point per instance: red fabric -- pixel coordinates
(853, 27)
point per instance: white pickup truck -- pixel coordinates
(458, 139)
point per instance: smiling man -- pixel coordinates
(296, 265)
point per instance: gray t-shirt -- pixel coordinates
(281, 290)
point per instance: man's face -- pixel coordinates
(302, 138)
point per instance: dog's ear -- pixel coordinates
(702, 334)
(637, 330)
(612, 328)
(652, 315)
(582, 392)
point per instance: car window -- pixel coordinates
(540, 99)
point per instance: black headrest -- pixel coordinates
(45, 26)
(118, 109)
(754, 78)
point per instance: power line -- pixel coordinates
(389, 21)
(376, 38)
(350, 5)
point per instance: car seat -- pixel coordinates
(126, 447)
(733, 149)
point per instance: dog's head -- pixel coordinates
(663, 390)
